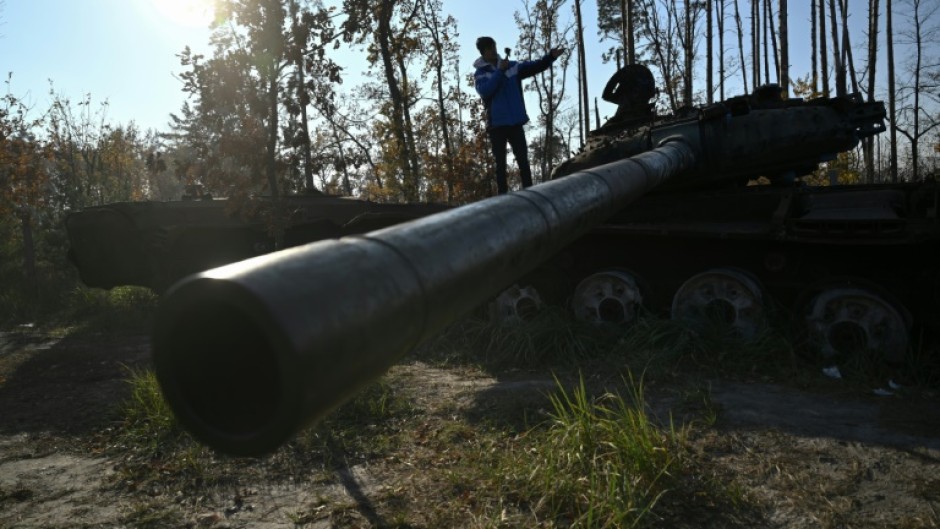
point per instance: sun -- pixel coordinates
(191, 13)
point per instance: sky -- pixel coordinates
(124, 51)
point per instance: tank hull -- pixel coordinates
(155, 244)
(794, 241)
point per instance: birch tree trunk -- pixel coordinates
(765, 21)
(721, 50)
(737, 17)
(892, 99)
(847, 62)
(709, 60)
(755, 42)
(687, 52)
(582, 68)
(838, 64)
(868, 145)
(812, 36)
(784, 49)
(823, 54)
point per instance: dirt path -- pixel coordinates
(810, 459)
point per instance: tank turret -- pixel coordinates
(738, 139)
(248, 353)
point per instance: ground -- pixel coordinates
(823, 456)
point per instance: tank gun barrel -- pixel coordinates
(249, 353)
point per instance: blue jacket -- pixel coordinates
(502, 91)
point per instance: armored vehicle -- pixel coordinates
(155, 244)
(856, 265)
(655, 214)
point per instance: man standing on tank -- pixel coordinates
(499, 82)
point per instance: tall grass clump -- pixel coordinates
(146, 420)
(770, 351)
(550, 337)
(659, 346)
(601, 463)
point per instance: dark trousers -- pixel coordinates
(515, 135)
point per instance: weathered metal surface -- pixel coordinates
(154, 244)
(248, 353)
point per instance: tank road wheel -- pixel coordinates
(724, 296)
(515, 304)
(610, 296)
(845, 321)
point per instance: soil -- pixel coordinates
(826, 456)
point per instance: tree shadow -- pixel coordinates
(900, 422)
(68, 386)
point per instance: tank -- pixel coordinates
(854, 266)
(655, 214)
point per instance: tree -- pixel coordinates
(813, 46)
(629, 25)
(225, 125)
(77, 133)
(374, 22)
(616, 21)
(740, 28)
(892, 97)
(443, 49)
(541, 29)
(722, 74)
(823, 58)
(657, 21)
(23, 176)
(847, 60)
(709, 52)
(688, 51)
(258, 29)
(784, 75)
(256, 76)
(755, 42)
(918, 122)
(582, 72)
(869, 144)
(837, 54)
(311, 31)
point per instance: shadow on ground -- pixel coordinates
(906, 421)
(64, 386)
(910, 422)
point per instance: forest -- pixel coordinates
(267, 112)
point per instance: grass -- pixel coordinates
(162, 454)
(151, 514)
(551, 338)
(146, 414)
(598, 458)
(362, 428)
(655, 346)
(600, 463)
(124, 309)
(79, 310)
(56, 297)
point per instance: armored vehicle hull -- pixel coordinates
(857, 266)
(155, 244)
